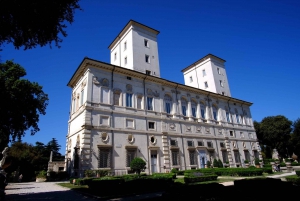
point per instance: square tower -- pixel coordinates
(208, 73)
(135, 48)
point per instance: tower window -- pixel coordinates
(148, 72)
(203, 73)
(191, 79)
(146, 43)
(151, 125)
(125, 60)
(128, 78)
(125, 45)
(115, 56)
(218, 70)
(147, 58)
(205, 84)
(221, 83)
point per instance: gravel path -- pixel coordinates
(41, 191)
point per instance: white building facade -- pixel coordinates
(124, 110)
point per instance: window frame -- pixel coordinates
(151, 123)
(150, 106)
(129, 104)
(147, 58)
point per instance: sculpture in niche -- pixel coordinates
(172, 126)
(104, 137)
(149, 92)
(105, 82)
(129, 87)
(199, 128)
(207, 130)
(220, 130)
(130, 138)
(188, 128)
(95, 80)
(153, 140)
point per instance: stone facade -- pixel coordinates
(119, 113)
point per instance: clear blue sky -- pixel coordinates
(259, 39)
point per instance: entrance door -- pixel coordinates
(202, 158)
(153, 162)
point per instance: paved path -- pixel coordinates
(41, 191)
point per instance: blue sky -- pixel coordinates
(259, 39)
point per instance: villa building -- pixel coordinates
(124, 109)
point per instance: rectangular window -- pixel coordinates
(125, 60)
(247, 155)
(184, 110)
(205, 84)
(194, 112)
(130, 155)
(74, 105)
(115, 56)
(128, 78)
(147, 58)
(146, 43)
(149, 103)
(209, 144)
(151, 125)
(125, 45)
(203, 73)
(222, 145)
(223, 93)
(221, 83)
(128, 100)
(231, 134)
(81, 97)
(191, 79)
(175, 157)
(237, 157)
(190, 143)
(218, 70)
(168, 108)
(193, 158)
(237, 118)
(104, 158)
(148, 72)
(139, 102)
(200, 143)
(242, 134)
(173, 142)
(227, 117)
(225, 156)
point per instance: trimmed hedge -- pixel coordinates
(295, 164)
(163, 176)
(298, 172)
(294, 179)
(267, 170)
(228, 171)
(192, 179)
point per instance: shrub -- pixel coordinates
(294, 179)
(246, 161)
(89, 173)
(298, 172)
(220, 163)
(42, 174)
(215, 163)
(282, 164)
(138, 165)
(193, 179)
(267, 165)
(180, 172)
(267, 170)
(208, 164)
(295, 164)
(228, 171)
(174, 170)
(102, 173)
(287, 160)
(256, 161)
(164, 175)
(57, 176)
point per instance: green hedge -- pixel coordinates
(298, 172)
(294, 179)
(267, 170)
(228, 171)
(180, 172)
(164, 175)
(295, 164)
(192, 179)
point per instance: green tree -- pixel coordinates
(22, 102)
(54, 147)
(138, 165)
(295, 139)
(274, 132)
(215, 163)
(35, 22)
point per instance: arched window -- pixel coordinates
(183, 106)
(215, 112)
(168, 103)
(194, 108)
(203, 110)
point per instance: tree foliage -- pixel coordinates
(138, 165)
(295, 139)
(22, 102)
(35, 22)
